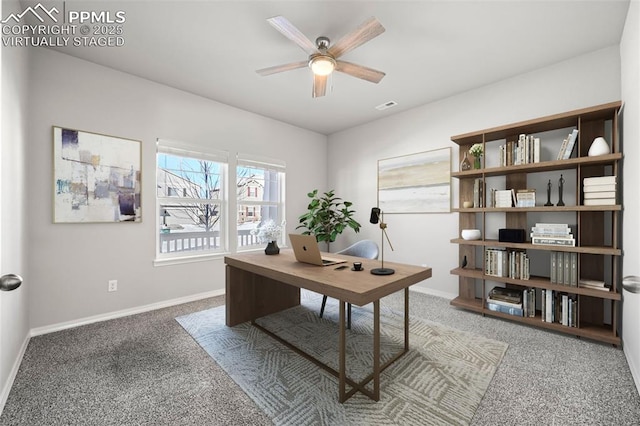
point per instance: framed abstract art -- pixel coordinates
(96, 177)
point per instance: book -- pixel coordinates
(567, 269)
(536, 150)
(574, 270)
(526, 198)
(560, 267)
(503, 303)
(506, 294)
(570, 144)
(599, 202)
(601, 194)
(504, 309)
(599, 180)
(592, 283)
(599, 188)
(552, 274)
(551, 231)
(562, 149)
(503, 198)
(569, 242)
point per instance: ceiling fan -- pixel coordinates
(323, 57)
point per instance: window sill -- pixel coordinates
(189, 259)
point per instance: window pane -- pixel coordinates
(188, 177)
(189, 227)
(255, 184)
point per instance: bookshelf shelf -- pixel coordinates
(597, 230)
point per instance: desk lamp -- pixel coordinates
(377, 216)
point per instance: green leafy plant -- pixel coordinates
(327, 217)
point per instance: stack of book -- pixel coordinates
(505, 300)
(593, 284)
(599, 191)
(523, 151)
(555, 234)
(526, 198)
(502, 198)
(559, 307)
(567, 145)
(564, 268)
(502, 263)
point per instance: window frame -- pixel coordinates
(181, 149)
(267, 164)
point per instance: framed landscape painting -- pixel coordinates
(96, 177)
(416, 183)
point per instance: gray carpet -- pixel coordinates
(146, 370)
(441, 380)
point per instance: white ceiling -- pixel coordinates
(430, 50)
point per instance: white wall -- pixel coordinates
(630, 86)
(14, 325)
(424, 238)
(70, 264)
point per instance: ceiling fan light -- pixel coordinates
(322, 65)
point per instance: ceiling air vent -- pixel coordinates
(386, 105)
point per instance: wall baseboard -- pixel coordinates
(123, 313)
(13, 373)
(635, 369)
(431, 292)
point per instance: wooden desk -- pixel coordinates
(258, 285)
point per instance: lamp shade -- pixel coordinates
(322, 64)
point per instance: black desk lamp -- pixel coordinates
(377, 216)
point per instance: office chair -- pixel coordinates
(365, 248)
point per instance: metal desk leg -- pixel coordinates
(376, 350)
(343, 356)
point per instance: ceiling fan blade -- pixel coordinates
(359, 71)
(366, 31)
(287, 29)
(281, 68)
(319, 85)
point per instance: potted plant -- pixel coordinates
(269, 233)
(327, 217)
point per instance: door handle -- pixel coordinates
(10, 282)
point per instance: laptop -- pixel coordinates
(306, 249)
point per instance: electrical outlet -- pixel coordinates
(113, 285)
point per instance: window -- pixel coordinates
(191, 201)
(260, 196)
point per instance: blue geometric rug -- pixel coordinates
(440, 381)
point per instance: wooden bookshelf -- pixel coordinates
(597, 233)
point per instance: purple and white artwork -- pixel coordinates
(96, 177)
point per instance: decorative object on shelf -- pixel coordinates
(269, 233)
(549, 203)
(467, 204)
(465, 164)
(464, 261)
(327, 217)
(272, 248)
(377, 216)
(599, 146)
(476, 151)
(416, 183)
(85, 167)
(470, 234)
(560, 187)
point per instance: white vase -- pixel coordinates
(599, 146)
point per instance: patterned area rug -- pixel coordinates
(440, 381)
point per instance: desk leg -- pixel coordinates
(406, 319)
(376, 350)
(343, 356)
